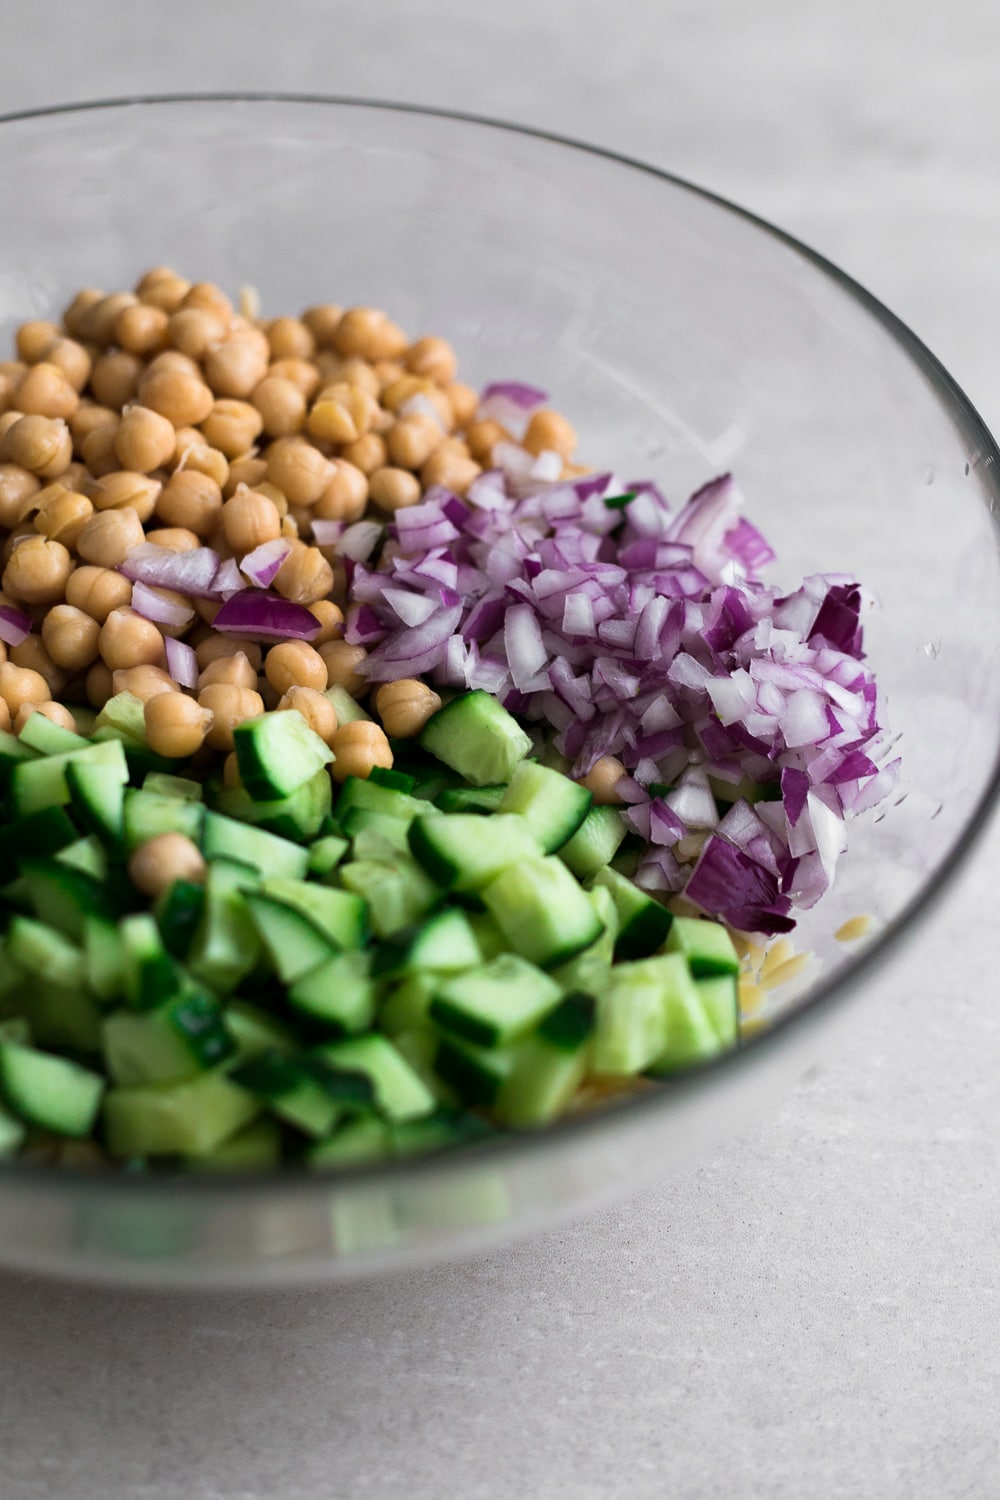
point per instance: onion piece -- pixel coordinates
(14, 626)
(263, 564)
(190, 572)
(265, 617)
(153, 606)
(182, 663)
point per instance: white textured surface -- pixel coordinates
(815, 1312)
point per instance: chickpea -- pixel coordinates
(72, 359)
(127, 639)
(192, 501)
(97, 324)
(367, 454)
(299, 470)
(331, 621)
(290, 338)
(368, 332)
(207, 609)
(434, 358)
(387, 372)
(174, 538)
(32, 653)
(20, 534)
(238, 365)
(210, 298)
(217, 647)
(230, 706)
(7, 421)
(141, 329)
(193, 454)
(183, 398)
(81, 304)
(70, 637)
(393, 489)
(411, 441)
(359, 747)
(6, 723)
(322, 321)
(249, 471)
(98, 685)
(122, 489)
(248, 520)
(167, 292)
(602, 780)
(17, 485)
(342, 666)
(404, 389)
(109, 536)
(356, 372)
(54, 711)
(152, 278)
(345, 497)
(233, 427)
(464, 402)
(404, 706)
(143, 682)
(450, 469)
(549, 432)
(305, 576)
(115, 377)
(22, 685)
(173, 362)
(230, 770)
(34, 337)
(314, 706)
(160, 861)
(483, 436)
(62, 515)
(301, 372)
(342, 414)
(294, 664)
(195, 330)
(281, 405)
(145, 440)
(45, 392)
(88, 417)
(97, 591)
(237, 670)
(98, 449)
(41, 444)
(37, 571)
(77, 477)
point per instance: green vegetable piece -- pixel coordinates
(477, 737)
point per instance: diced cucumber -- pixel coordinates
(706, 945)
(643, 923)
(488, 935)
(225, 838)
(148, 814)
(397, 895)
(124, 715)
(340, 915)
(226, 947)
(465, 851)
(61, 1016)
(338, 994)
(325, 854)
(42, 782)
(548, 1067)
(178, 912)
(691, 1037)
(190, 1118)
(477, 737)
(12, 751)
(375, 836)
(12, 1134)
(476, 799)
(41, 734)
(277, 753)
(183, 1037)
(375, 797)
(151, 975)
(400, 1093)
(348, 708)
(409, 1004)
(254, 1031)
(16, 1029)
(553, 806)
(571, 1023)
(39, 833)
(88, 855)
(444, 944)
(387, 776)
(251, 1150)
(298, 817)
(720, 997)
(444, 1129)
(164, 784)
(595, 843)
(292, 1092)
(104, 958)
(633, 1012)
(293, 941)
(543, 913)
(50, 1092)
(63, 896)
(477, 1074)
(497, 1004)
(365, 1138)
(43, 952)
(97, 798)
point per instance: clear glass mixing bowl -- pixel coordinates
(683, 337)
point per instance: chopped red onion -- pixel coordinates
(182, 663)
(14, 626)
(263, 564)
(152, 606)
(326, 533)
(359, 541)
(190, 572)
(228, 580)
(265, 617)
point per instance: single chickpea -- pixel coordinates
(359, 747)
(98, 449)
(152, 277)
(115, 378)
(193, 455)
(123, 488)
(145, 440)
(166, 293)
(143, 682)
(328, 366)
(281, 405)
(20, 534)
(301, 372)
(305, 575)
(232, 426)
(393, 489)
(483, 436)
(342, 414)
(17, 485)
(54, 711)
(248, 471)
(314, 706)
(22, 685)
(290, 338)
(88, 417)
(97, 325)
(345, 497)
(37, 571)
(238, 365)
(127, 639)
(195, 330)
(411, 441)
(294, 664)
(174, 538)
(450, 469)
(322, 321)
(9, 419)
(248, 520)
(70, 637)
(464, 403)
(602, 780)
(404, 389)
(62, 515)
(237, 670)
(74, 314)
(98, 685)
(77, 477)
(41, 444)
(299, 470)
(342, 666)
(230, 706)
(109, 536)
(72, 359)
(192, 501)
(31, 653)
(358, 372)
(387, 372)
(368, 332)
(217, 647)
(367, 454)
(331, 622)
(34, 337)
(210, 298)
(184, 399)
(96, 591)
(404, 706)
(45, 392)
(141, 329)
(172, 362)
(549, 432)
(160, 861)
(432, 357)
(230, 770)
(207, 609)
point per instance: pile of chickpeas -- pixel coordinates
(166, 415)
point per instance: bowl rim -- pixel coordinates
(787, 1029)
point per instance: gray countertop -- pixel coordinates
(814, 1312)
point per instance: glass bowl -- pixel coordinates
(683, 337)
